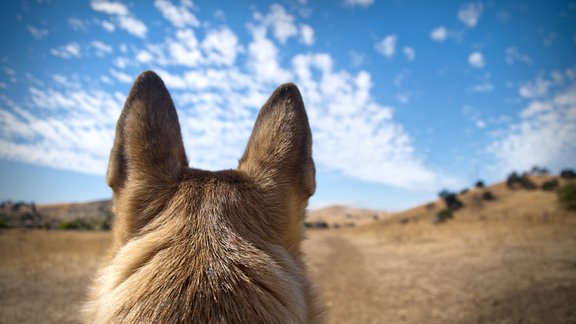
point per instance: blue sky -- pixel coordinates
(404, 98)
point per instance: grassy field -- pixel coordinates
(512, 260)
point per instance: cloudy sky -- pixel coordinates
(404, 97)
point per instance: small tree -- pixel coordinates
(479, 184)
(487, 195)
(443, 215)
(567, 196)
(536, 170)
(550, 185)
(568, 174)
(451, 200)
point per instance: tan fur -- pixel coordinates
(199, 246)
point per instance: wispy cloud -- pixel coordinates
(78, 24)
(37, 33)
(306, 34)
(180, 16)
(469, 14)
(476, 60)
(101, 48)
(410, 53)
(387, 46)
(439, 34)
(121, 16)
(68, 51)
(218, 84)
(359, 3)
(513, 55)
(545, 130)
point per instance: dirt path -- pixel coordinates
(460, 273)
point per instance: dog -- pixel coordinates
(206, 247)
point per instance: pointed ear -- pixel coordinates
(148, 147)
(279, 152)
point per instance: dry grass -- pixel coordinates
(512, 260)
(43, 275)
(515, 271)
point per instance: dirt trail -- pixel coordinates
(456, 273)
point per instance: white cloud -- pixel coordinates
(144, 57)
(263, 56)
(359, 3)
(221, 46)
(133, 26)
(108, 26)
(513, 55)
(74, 131)
(78, 24)
(218, 90)
(439, 34)
(121, 76)
(37, 33)
(122, 18)
(476, 59)
(109, 7)
(543, 134)
(387, 46)
(101, 48)
(410, 53)
(353, 134)
(279, 21)
(68, 51)
(180, 17)
(470, 13)
(535, 88)
(306, 34)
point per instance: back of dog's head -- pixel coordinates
(193, 245)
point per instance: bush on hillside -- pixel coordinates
(487, 195)
(443, 215)
(451, 200)
(568, 174)
(536, 170)
(550, 185)
(515, 181)
(75, 224)
(479, 184)
(567, 196)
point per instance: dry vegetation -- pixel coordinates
(510, 260)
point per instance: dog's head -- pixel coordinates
(149, 173)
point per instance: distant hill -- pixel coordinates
(29, 215)
(342, 216)
(506, 202)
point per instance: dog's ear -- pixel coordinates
(279, 152)
(148, 152)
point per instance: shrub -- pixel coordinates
(443, 215)
(479, 184)
(451, 200)
(550, 185)
(567, 196)
(568, 174)
(487, 195)
(74, 224)
(539, 171)
(515, 181)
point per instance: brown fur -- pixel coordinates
(200, 246)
